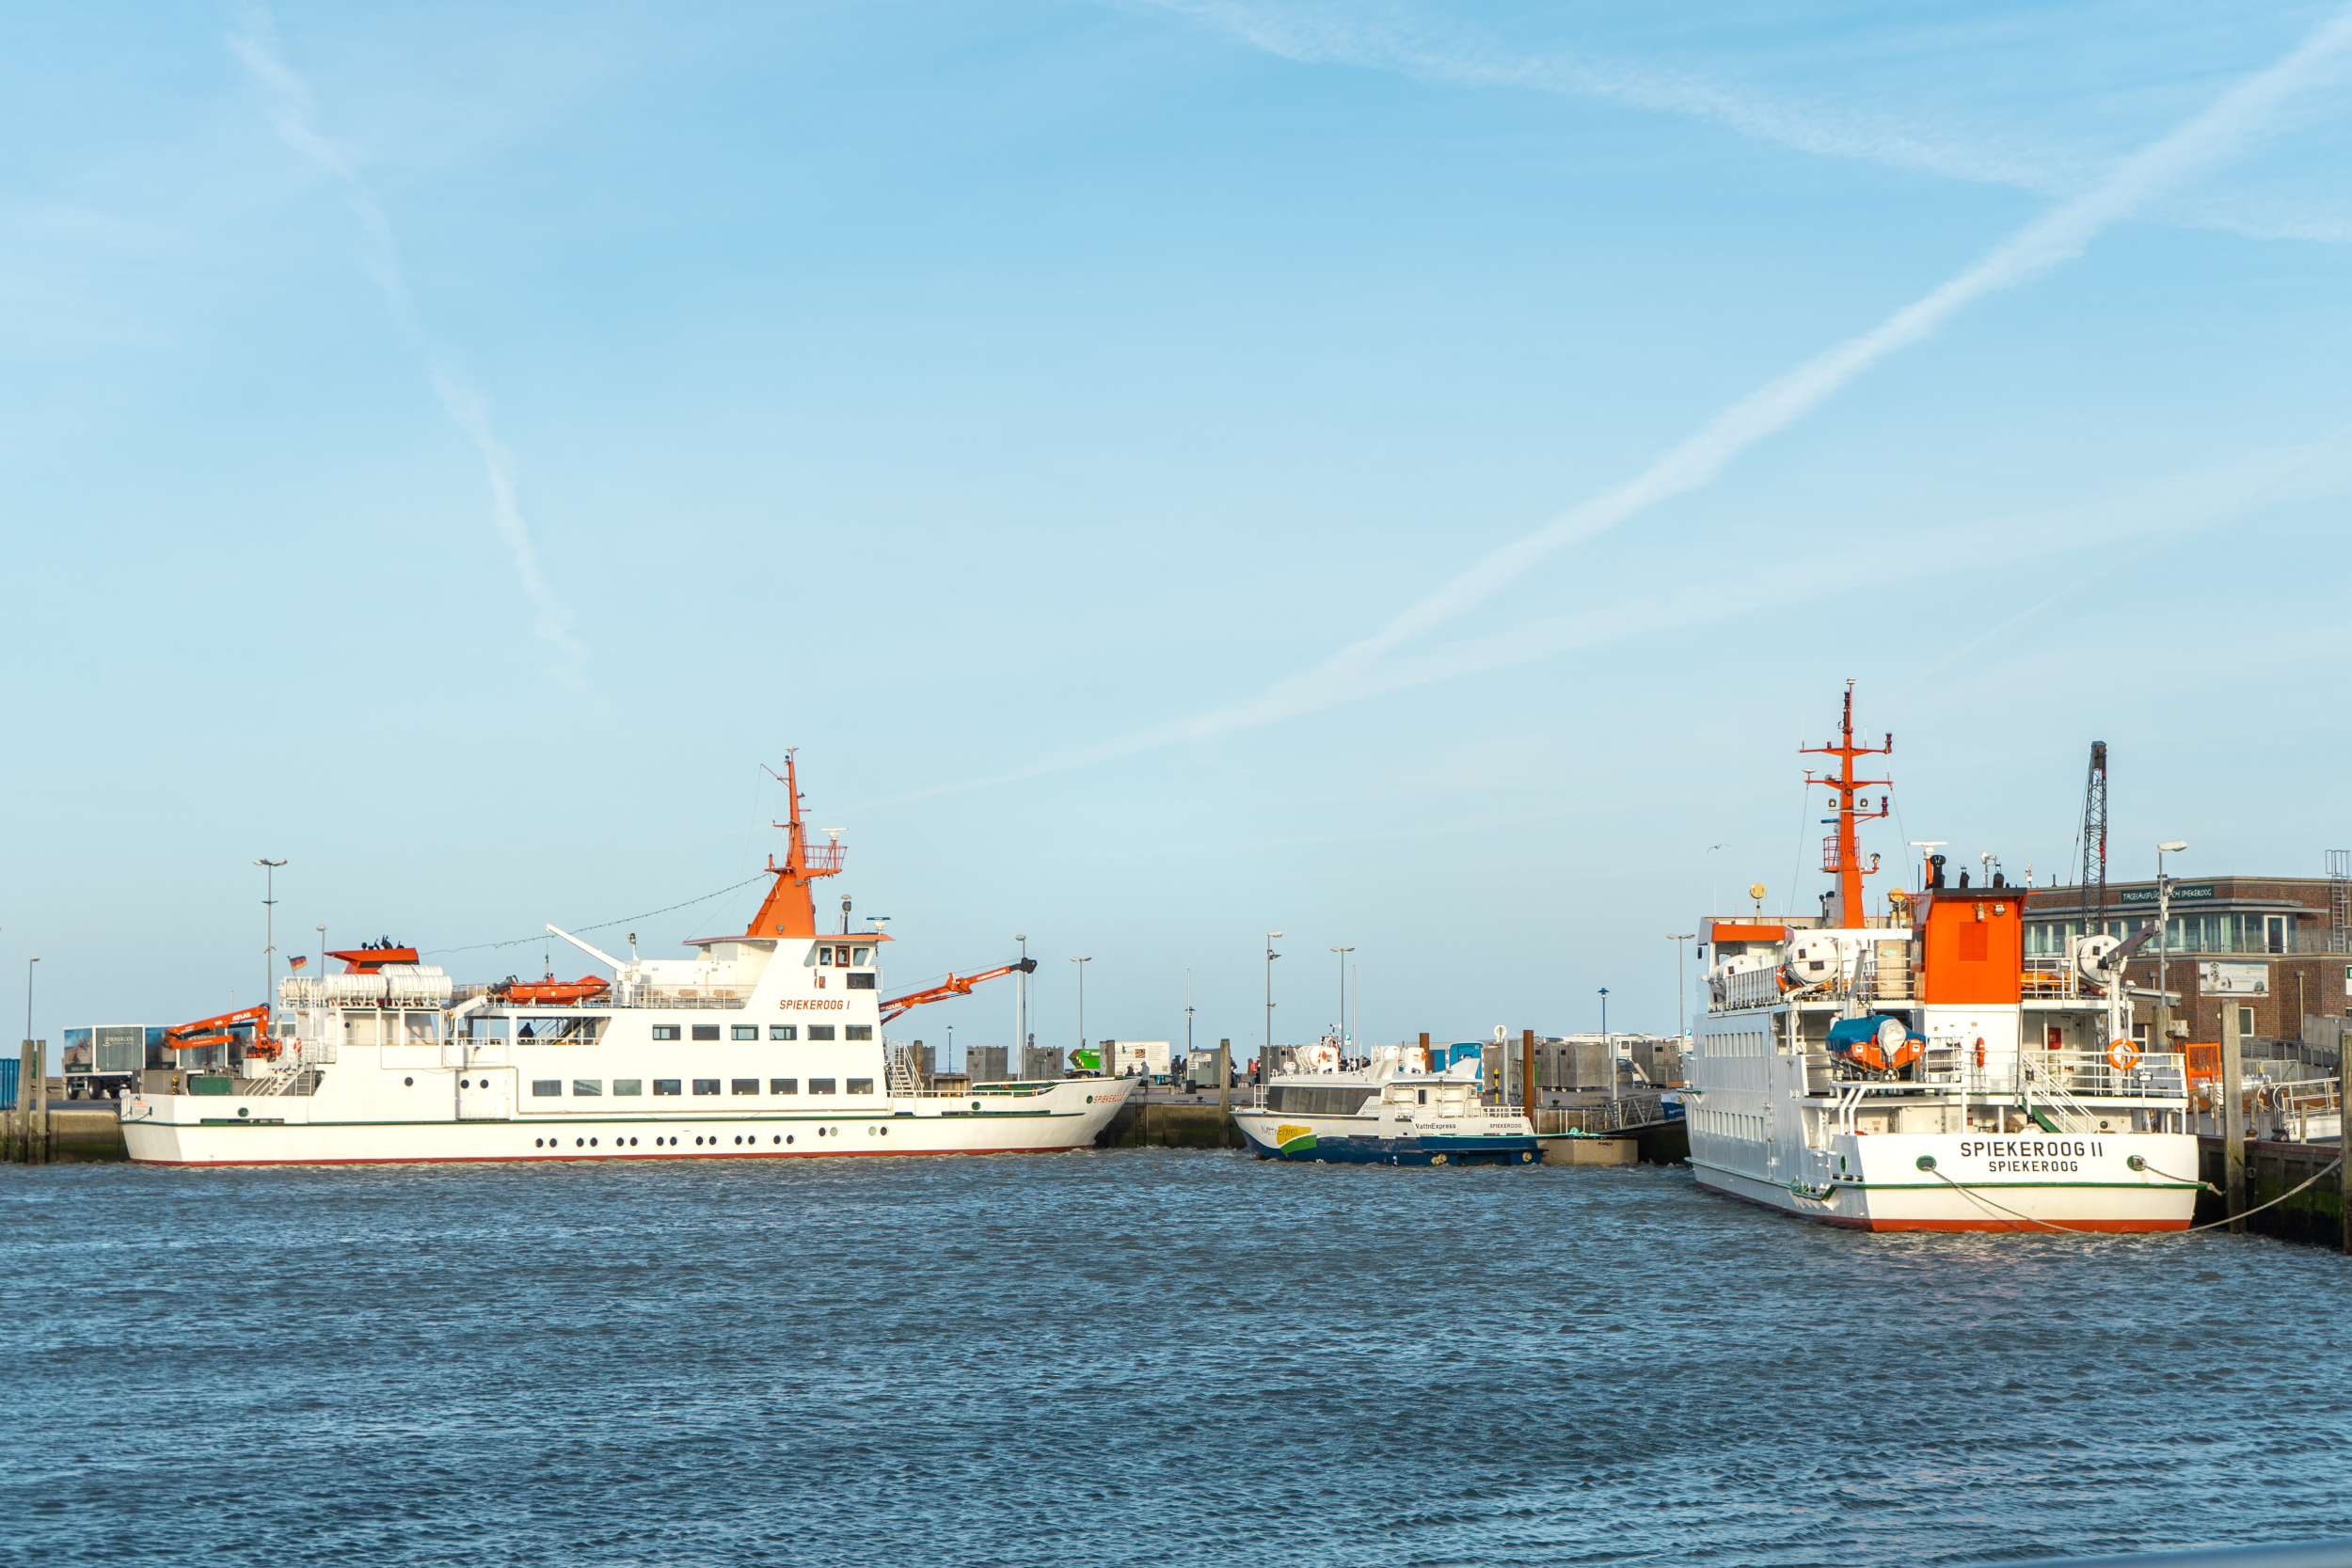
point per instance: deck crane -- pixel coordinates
(955, 985)
(2094, 838)
(221, 1028)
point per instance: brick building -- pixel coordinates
(2277, 948)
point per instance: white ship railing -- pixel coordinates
(2084, 1074)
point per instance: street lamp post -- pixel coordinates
(2163, 1030)
(1344, 952)
(322, 949)
(28, 999)
(1607, 1052)
(1099, 1063)
(1678, 938)
(1020, 1009)
(1265, 1057)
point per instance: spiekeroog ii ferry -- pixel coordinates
(1911, 1071)
(767, 1043)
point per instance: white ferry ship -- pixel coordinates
(1391, 1110)
(1913, 1071)
(767, 1043)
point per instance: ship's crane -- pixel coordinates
(221, 1028)
(955, 985)
(2094, 894)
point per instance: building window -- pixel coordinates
(2246, 1023)
(862, 980)
(783, 1086)
(821, 1085)
(820, 1031)
(705, 1031)
(744, 1032)
(705, 1086)
(861, 1086)
(546, 1088)
(784, 1031)
(2275, 933)
(858, 1032)
(743, 1085)
(665, 1031)
(587, 1086)
(628, 1087)
(665, 1086)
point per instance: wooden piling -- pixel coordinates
(2344, 1147)
(1426, 1063)
(1224, 1081)
(2232, 1118)
(1527, 1073)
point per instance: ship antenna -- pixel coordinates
(1840, 857)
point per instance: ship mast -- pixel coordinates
(1840, 856)
(791, 908)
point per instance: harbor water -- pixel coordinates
(1154, 1356)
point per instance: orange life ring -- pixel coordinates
(2122, 1056)
(1980, 1051)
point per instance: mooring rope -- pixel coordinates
(2216, 1225)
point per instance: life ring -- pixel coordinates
(1980, 1052)
(2122, 1056)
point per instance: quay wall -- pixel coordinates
(2313, 1215)
(1160, 1125)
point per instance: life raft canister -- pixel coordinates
(2122, 1056)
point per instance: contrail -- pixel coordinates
(2056, 236)
(293, 114)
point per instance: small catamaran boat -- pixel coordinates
(766, 1044)
(1912, 1070)
(1393, 1110)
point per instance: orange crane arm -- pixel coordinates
(215, 1030)
(955, 985)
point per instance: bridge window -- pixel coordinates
(862, 980)
(784, 1031)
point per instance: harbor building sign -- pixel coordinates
(2233, 979)
(2180, 891)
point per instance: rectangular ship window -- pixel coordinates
(743, 1085)
(820, 1031)
(862, 980)
(858, 1032)
(546, 1088)
(629, 1085)
(665, 1086)
(744, 1032)
(705, 1031)
(784, 1031)
(821, 1085)
(665, 1031)
(587, 1086)
(861, 1086)
(705, 1086)
(783, 1086)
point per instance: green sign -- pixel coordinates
(2181, 893)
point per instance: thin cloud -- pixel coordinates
(293, 114)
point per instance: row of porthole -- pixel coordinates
(632, 1143)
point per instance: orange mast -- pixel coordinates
(791, 908)
(1840, 855)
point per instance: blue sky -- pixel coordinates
(1405, 476)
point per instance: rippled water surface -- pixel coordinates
(1151, 1358)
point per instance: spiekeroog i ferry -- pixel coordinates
(766, 1044)
(1912, 1071)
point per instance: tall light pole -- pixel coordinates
(2163, 1031)
(1020, 1010)
(322, 949)
(1344, 952)
(1099, 1063)
(1678, 938)
(1608, 1051)
(1265, 1058)
(28, 1000)
(269, 925)
(1187, 1028)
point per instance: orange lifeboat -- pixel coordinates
(550, 993)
